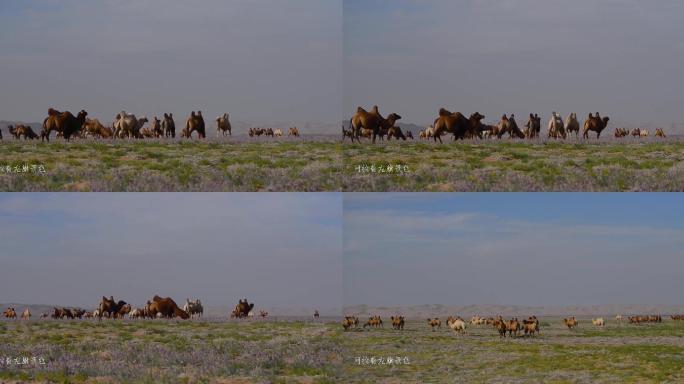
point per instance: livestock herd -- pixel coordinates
(127, 125)
(372, 125)
(157, 307)
(512, 327)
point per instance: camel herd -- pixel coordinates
(157, 307)
(372, 125)
(512, 327)
(127, 125)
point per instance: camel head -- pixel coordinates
(392, 118)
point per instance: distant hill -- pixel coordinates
(466, 311)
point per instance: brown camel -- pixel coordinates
(194, 123)
(457, 124)
(167, 307)
(596, 124)
(63, 122)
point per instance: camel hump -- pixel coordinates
(375, 110)
(444, 112)
(360, 110)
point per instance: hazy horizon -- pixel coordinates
(621, 58)
(279, 250)
(261, 60)
(524, 249)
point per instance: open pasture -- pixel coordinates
(617, 352)
(169, 351)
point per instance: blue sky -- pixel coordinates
(281, 250)
(260, 60)
(621, 57)
(564, 249)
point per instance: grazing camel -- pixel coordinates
(223, 125)
(166, 307)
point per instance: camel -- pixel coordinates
(350, 322)
(501, 326)
(63, 122)
(397, 133)
(372, 121)
(166, 307)
(21, 129)
(509, 125)
(556, 127)
(278, 132)
(599, 322)
(243, 309)
(293, 131)
(434, 323)
(397, 322)
(533, 126)
(596, 124)
(457, 324)
(621, 132)
(110, 307)
(156, 127)
(659, 132)
(93, 127)
(374, 322)
(127, 125)
(316, 314)
(168, 125)
(193, 307)
(572, 124)
(223, 125)
(26, 315)
(10, 313)
(570, 323)
(457, 124)
(531, 326)
(513, 327)
(194, 123)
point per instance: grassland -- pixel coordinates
(172, 352)
(236, 164)
(624, 353)
(606, 165)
